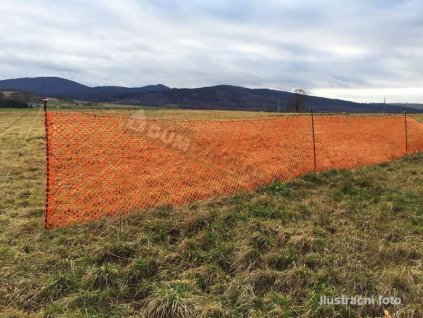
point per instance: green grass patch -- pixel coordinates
(269, 253)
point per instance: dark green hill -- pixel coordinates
(225, 97)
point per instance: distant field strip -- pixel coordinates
(110, 164)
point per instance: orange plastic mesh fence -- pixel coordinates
(414, 136)
(108, 164)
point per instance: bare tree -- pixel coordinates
(298, 100)
(2, 96)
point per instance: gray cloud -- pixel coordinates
(361, 50)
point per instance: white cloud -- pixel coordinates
(392, 95)
(357, 50)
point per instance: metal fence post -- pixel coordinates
(406, 133)
(45, 100)
(314, 139)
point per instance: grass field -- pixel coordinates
(271, 253)
(158, 112)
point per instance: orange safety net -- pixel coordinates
(108, 164)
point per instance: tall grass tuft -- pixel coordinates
(172, 299)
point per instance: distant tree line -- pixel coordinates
(11, 103)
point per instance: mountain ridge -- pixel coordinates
(64, 88)
(223, 97)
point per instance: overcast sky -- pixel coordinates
(356, 50)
